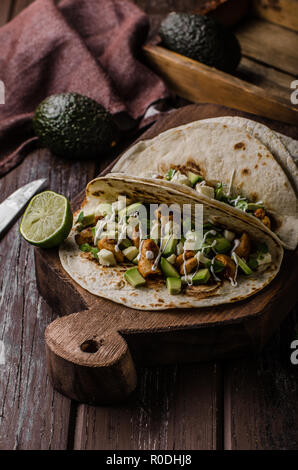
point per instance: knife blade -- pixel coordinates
(11, 207)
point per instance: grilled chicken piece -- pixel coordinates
(188, 254)
(243, 249)
(85, 236)
(145, 264)
(230, 266)
(109, 244)
(188, 266)
(261, 214)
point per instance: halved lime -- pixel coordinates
(47, 220)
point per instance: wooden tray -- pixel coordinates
(262, 82)
(91, 354)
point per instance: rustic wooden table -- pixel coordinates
(246, 403)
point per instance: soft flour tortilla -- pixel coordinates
(108, 282)
(218, 148)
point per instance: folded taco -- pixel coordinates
(234, 161)
(130, 244)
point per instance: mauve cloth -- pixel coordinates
(85, 46)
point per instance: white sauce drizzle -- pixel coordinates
(236, 244)
(234, 281)
(102, 224)
(212, 270)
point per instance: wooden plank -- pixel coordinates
(261, 408)
(271, 80)
(174, 408)
(32, 415)
(5, 7)
(270, 44)
(282, 12)
(200, 83)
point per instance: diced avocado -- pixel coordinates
(173, 285)
(242, 264)
(222, 245)
(170, 247)
(219, 192)
(170, 174)
(130, 209)
(106, 258)
(125, 243)
(80, 218)
(131, 252)
(135, 260)
(202, 276)
(88, 220)
(134, 278)
(253, 207)
(194, 178)
(168, 269)
(104, 209)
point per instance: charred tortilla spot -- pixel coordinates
(239, 145)
(256, 166)
(245, 171)
(254, 197)
(259, 155)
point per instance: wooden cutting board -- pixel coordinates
(93, 348)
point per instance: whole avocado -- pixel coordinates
(74, 126)
(201, 38)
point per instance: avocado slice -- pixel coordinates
(131, 252)
(251, 206)
(104, 209)
(222, 245)
(125, 243)
(194, 178)
(170, 247)
(202, 276)
(168, 269)
(242, 264)
(173, 285)
(130, 209)
(74, 126)
(134, 278)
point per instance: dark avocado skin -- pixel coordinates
(201, 38)
(74, 126)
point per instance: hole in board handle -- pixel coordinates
(90, 346)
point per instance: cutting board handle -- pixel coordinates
(87, 362)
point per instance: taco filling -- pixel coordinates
(219, 191)
(114, 236)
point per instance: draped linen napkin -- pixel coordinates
(92, 47)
